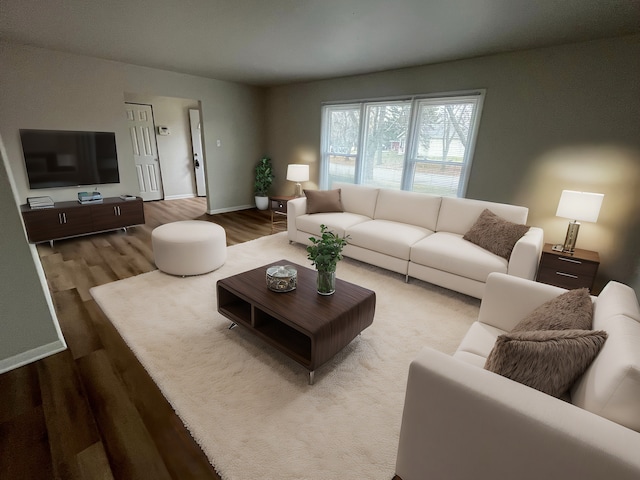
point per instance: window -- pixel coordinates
(422, 144)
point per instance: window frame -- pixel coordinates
(412, 142)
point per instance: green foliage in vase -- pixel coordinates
(326, 251)
(264, 177)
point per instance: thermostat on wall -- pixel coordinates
(164, 131)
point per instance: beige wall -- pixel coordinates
(52, 90)
(43, 89)
(556, 118)
(28, 324)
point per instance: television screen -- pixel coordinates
(69, 159)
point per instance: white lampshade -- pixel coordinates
(297, 172)
(580, 206)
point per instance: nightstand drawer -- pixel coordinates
(279, 206)
(574, 266)
(564, 278)
(568, 271)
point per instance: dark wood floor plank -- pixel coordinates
(19, 392)
(182, 457)
(137, 262)
(24, 447)
(94, 464)
(79, 334)
(117, 263)
(130, 448)
(70, 430)
(137, 434)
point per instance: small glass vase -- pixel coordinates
(326, 282)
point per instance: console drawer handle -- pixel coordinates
(566, 275)
(570, 260)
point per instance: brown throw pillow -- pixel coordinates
(324, 201)
(495, 234)
(547, 360)
(573, 310)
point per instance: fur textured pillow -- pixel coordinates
(495, 234)
(573, 310)
(324, 201)
(547, 360)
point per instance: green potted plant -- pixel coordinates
(263, 180)
(324, 253)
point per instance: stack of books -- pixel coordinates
(89, 197)
(40, 202)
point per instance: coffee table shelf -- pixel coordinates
(307, 327)
(288, 340)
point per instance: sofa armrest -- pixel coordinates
(526, 253)
(508, 299)
(461, 421)
(295, 208)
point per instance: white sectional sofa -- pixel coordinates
(419, 235)
(462, 421)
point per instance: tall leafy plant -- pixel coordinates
(264, 177)
(326, 251)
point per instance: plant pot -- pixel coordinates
(262, 203)
(326, 283)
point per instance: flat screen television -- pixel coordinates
(67, 159)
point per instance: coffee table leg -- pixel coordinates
(311, 375)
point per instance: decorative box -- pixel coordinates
(282, 278)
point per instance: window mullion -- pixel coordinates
(409, 162)
(361, 142)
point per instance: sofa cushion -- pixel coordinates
(457, 215)
(480, 340)
(391, 238)
(547, 360)
(337, 222)
(449, 252)
(573, 310)
(495, 234)
(611, 385)
(323, 201)
(411, 208)
(358, 199)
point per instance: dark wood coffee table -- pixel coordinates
(308, 327)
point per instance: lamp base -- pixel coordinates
(298, 191)
(572, 235)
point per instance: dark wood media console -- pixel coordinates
(72, 219)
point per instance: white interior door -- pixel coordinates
(145, 155)
(198, 157)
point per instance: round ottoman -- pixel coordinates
(189, 247)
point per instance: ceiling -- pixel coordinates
(269, 42)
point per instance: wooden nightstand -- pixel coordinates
(566, 270)
(278, 208)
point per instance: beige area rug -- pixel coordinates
(250, 407)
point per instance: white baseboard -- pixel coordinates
(31, 355)
(178, 197)
(230, 209)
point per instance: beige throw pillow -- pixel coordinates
(324, 201)
(547, 360)
(573, 310)
(495, 234)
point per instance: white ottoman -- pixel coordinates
(190, 247)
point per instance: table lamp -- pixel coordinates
(577, 206)
(298, 173)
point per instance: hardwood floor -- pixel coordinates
(92, 411)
